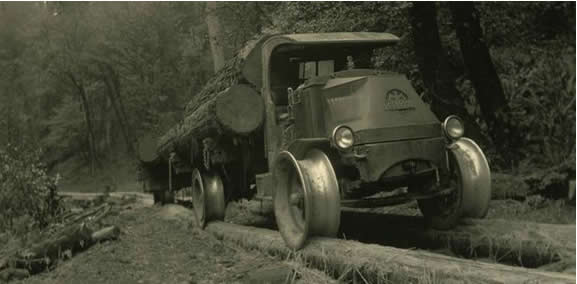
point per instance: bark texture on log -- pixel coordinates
(238, 110)
(380, 264)
(10, 274)
(520, 243)
(228, 76)
(105, 234)
(71, 240)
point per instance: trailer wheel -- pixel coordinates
(207, 197)
(306, 198)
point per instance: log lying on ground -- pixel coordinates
(10, 274)
(238, 110)
(73, 239)
(78, 234)
(380, 264)
(520, 243)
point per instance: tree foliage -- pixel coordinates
(140, 63)
(27, 192)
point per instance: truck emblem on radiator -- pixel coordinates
(395, 99)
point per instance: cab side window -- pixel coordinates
(311, 69)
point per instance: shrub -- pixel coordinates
(27, 193)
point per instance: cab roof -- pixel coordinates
(252, 68)
(336, 38)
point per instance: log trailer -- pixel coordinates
(311, 129)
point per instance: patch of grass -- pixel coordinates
(534, 209)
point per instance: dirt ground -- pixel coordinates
(162, 245)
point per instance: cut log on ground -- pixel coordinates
(10, 274)
(520, 243)
(76, 236)
(238, 110)
(105, 234)
(74, 239)
(380, 264)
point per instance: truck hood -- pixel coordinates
(378, 108)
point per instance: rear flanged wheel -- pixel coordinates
(207, 197)
(307, 198)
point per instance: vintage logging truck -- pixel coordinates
(321, 133)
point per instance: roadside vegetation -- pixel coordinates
(81, 82)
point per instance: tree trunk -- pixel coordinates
(81, 91)
(108, 124)
(215, 35)
(381, 264)
(110, 78)
(480, 69)
(436, 72)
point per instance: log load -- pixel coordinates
(233, 73)
(238, 110)
(381, 264)
(215, 109)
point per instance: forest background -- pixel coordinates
(82, 82)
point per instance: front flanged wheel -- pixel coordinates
(207, 197)
(443, 212)
(306, 199)
(470, 176)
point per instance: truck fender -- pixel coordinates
(475, 177)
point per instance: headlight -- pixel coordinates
(343, 137)
(453, 127)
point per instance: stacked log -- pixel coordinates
(228, 104)
(238, 110)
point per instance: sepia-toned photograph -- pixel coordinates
(423, 142)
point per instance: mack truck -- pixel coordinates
(312, 129)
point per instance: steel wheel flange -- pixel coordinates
(307, 198)
(207, 197)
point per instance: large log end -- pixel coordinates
(240, 110)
